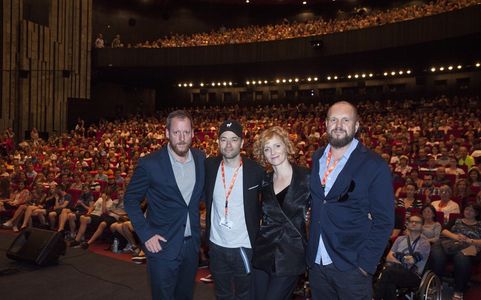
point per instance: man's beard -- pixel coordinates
(177, 150)
(340, 142)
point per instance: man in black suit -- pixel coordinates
(233, 213)
(172, 180)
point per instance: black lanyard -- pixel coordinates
(412, 246)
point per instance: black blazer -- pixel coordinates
(252, 179)
(280, 245)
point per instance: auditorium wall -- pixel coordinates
(46, 59)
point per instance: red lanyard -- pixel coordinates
(328, 169)
(231, 186)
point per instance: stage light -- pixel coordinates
(202, 84)
(247, 1)
(179, 85)
(441, 68)
(478, 65)
(363, 75)
(296, 79)
(408, 71)
(265, 81)
(335, 77)
(309, 79)
(433, 69)
(218, 83)
(450, 68)
(401, 72)
(224, 83)
(370, 74)
(259, 82)
(356, 76)
(284, 80)
(190, 84)
(304, 2)
(349, 76)
(328, 77)
(385, 73)
(247, 82)
(278, 80)
(230, 82)
(459, 67)
(185, 84)
(213, 84)
(253, 82)
(315, 78)
(393, 73)
(290, 80)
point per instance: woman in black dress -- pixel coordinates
(278, 252)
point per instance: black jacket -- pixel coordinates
(280, 245)
(252, 179)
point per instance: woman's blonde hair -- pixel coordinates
(267, 135)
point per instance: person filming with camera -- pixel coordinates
(405, 261)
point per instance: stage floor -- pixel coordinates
(80, 274)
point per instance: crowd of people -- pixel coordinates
(76, 181)
(357, 19)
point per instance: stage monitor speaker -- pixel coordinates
(37, 246)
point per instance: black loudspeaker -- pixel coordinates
(37, 246)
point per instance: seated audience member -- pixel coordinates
(18, 199)
(445, 204)
(431, 228)
(464, 159)
(460, 242)
(36, 202)
(461, 192)
(97, 218)
(405, 262)
(453, 169)
(82, 206)
(440, 177)
(62, 200)
(474, 178)
(402, 167)
(428, 189)
(408, 202)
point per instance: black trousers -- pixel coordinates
(393, 277)
(271, 287)
(174, 279)
(230, 268)
(327, 282)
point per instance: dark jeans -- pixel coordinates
(228, 268)
(173, 279)
(327, 282)
(393, 277)
(271, 287)
(462, 266)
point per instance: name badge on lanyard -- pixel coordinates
(225, 222)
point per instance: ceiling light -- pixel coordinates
(385, 73)
(459, 67)
(401, 72)
(230, 82)
(356, 76)
(278, 80)
(185, 84)
(284, 80)
(218, 83)
(247, 82)
(433, 69)
(408, 71)
(224, 83)
(309, 78)
(201, 84)
(363, 75)
(477, 65)
(179, 85)
(450, 68)
(247, 1)
(315, 78)
(441, 68)
(328, 77)
(296, 79)
(190, 84)
(393, 73)
(304, 2)
(349, 76)
(335, 77)
(370, 75)
(213, 83)
(290, 79)
(265, 81)
(253, 82)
